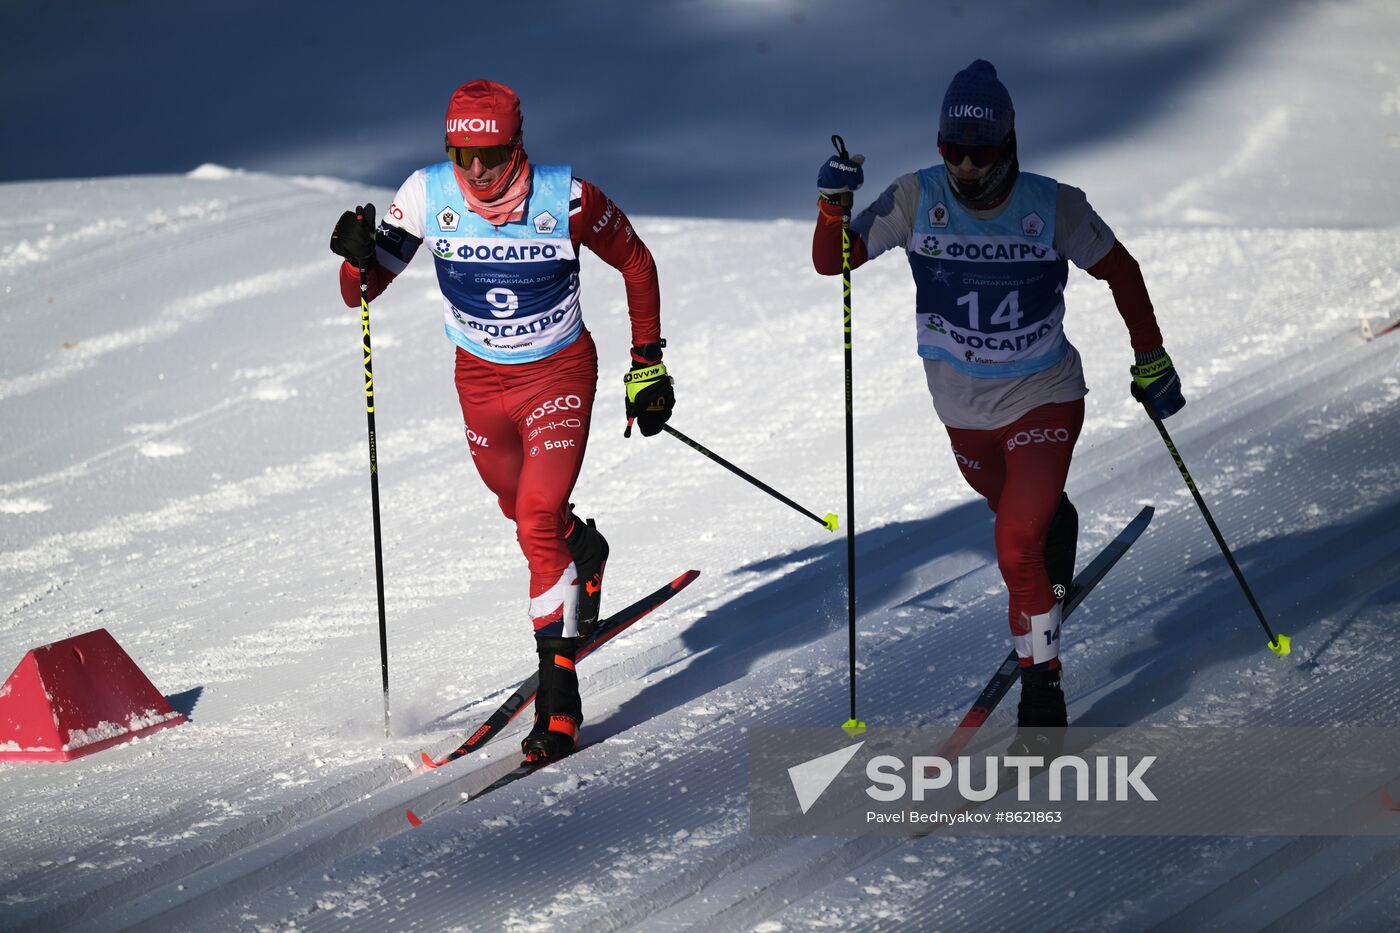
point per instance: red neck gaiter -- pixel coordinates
(504, 201)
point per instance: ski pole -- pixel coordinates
(853, 726)
(374, 490)
(830, 522)
(1278, 644)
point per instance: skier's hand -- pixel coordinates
(650, 396)
(353, 237)
(839, 177)
(1156, 384)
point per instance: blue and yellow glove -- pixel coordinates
(650, 392)
(1156, 384)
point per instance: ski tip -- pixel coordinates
(685, 579)
(1388, 801)
(832, 521)
(428, 762)
(1366, 333)
(853, 727)
(413, 819)
(1281, 645)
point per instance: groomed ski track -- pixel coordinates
(277, 808)
(1143, 648)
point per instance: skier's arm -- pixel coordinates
(826, 241)
(596, 222)
(1084, 239)
(396, 240)
(377, 277)
(884, 225)
(1120, 270)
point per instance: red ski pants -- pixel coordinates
(527, 428)
(1020, 469)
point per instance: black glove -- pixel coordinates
(1156, 384)
(353, 237)
(650, 392)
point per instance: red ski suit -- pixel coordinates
(527, 423)
(1013, 438)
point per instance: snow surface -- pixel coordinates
(187, 468)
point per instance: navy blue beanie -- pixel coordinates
(977, 109)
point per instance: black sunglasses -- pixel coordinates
(490, 156)
(981, 156)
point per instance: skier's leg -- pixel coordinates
(1061, 541)
(553, 419)
(980, 458)
(492, 437)
(1038, 447)
(553, 416)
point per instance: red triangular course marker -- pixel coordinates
(75, 697)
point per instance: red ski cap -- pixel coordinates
(483, 113)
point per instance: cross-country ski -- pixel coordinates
(606, 630)
(1010, 669)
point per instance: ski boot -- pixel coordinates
(589, 549)
(1040, 716)
(558, 708)
(1060, 542)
